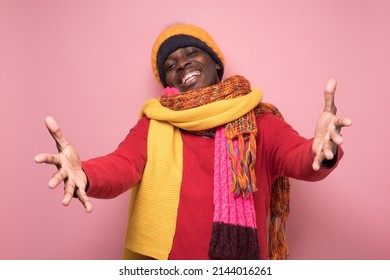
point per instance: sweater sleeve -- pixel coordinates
(112, 174)
(288, 153)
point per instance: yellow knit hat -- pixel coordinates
(180, 36)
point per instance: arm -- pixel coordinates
(105, 176)
(306, 159)
(287, 153)
(115, 173)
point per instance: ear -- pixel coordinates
(218, 67)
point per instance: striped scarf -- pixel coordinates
(234, 231)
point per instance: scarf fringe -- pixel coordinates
(277, 244)
(243, 164)
(277, 247)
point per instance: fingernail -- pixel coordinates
(51, 184)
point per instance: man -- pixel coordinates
(206, 162)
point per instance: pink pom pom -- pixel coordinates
(170, 91)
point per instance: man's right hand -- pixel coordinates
(69, 167)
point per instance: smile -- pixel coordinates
(189, 76)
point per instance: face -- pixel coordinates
(190, 68)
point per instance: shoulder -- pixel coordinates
(142, 124)
(268, 114)
(264, 108)
(271, 124)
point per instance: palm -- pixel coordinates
(70, 161)
(69, 167)
(327, 132)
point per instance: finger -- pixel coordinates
(47, 158)
(336, 137)
(342, 121)
(57, 178)
(328, 150)
(329, 93)
(317, 161)
(68, 193)
(56, 133)
(331, 85)
(82, 196)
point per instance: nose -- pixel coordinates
(182, 63)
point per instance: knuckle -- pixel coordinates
(69, 189)
(61, 175)
(67, 192)
(50, 158)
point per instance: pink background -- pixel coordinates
(87, 63)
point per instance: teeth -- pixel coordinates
(189, 75)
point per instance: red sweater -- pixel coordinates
(280, 151)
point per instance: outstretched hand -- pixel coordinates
(69, 167)
(327, 136)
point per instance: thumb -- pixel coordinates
(329, 93)
(55, 132)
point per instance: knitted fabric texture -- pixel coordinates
(242, 129)
(180, 36)
(239, 163)
(227, 112)
(234, 234)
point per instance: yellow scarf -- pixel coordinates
(154, 202)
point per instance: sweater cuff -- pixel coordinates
(86, 187)
(329, 163)
(92, 178)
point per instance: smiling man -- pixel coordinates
(189, 68)
(208, 161)
(186, 57)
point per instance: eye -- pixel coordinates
(191, 51)
(169, 66)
